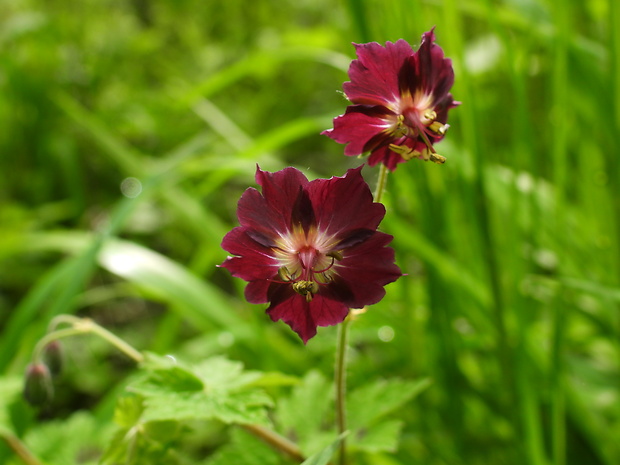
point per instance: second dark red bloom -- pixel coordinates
(400, 101)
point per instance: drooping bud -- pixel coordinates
(53, 357)
(38, 389)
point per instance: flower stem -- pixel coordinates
(20, 449)
(83, 326)
(341, 362)
(381, 181)
(276, 441)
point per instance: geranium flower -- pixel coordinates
(400, 102)
(310, 248)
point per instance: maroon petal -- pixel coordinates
(274, 209)
(386, 156)
(374, 75)
(344, 205)
(359, 125)
(367, 267)
(257, 292)
(303, 317)
(263, 219)
(427, 70)
(252, 261)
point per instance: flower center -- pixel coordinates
(306, 260)
(417, 120)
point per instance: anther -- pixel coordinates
(335, 254)
(306, 288)
(438, 128)
(285, 275)
(406, 152)
(429, 116)
(436, 158)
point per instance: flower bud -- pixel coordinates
(38, 389)
(53, 357)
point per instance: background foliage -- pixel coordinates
(130, 129)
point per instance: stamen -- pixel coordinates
(406, 152)
(325, 269)
(436, 158)
(306, 288)
(429, 117)
(433, 156)
(335, 254)
(285, 275)
(438, 128)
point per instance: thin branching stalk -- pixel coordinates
(381, 181)
(341, 385)
(85, 326)
(276, 441)
(20, 449)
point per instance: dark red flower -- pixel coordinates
(400, 102)
(310, 248)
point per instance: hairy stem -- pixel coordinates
(341, 388)
(276, 441)
(84, 326)
(20, 449)
(381, 181)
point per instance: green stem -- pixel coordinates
(381, 181)
(276, 441)
(37, 354)
(83, 326)
(20, 449)
(342, 344)
(341, 389)
(114, 340)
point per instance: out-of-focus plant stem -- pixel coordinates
(20, 449)
(341, 388)
(276, 441)
(85, 326)
(381, 181)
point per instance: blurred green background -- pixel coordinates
(131, 128)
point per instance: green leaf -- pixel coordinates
(369, 403)
(10, 390)
(323, 457)
(382, 437)
(77, 439)
(216, 389)
(244, 449)
(306, 411)
(128, 411)
(228, 407)
(139, 441)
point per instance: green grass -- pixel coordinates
(510, 304)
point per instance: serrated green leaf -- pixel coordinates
(162, 431)
(77, 439)
(244, 449)
(244, 407)
(216, 389)
(10, 390)
(323, 457)
(173, 379)
(382, 437)
(133, 447)
(372, 401)
(275, 379)
(128, 411)
(214, 372)
(224, 374)
(305, 410)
